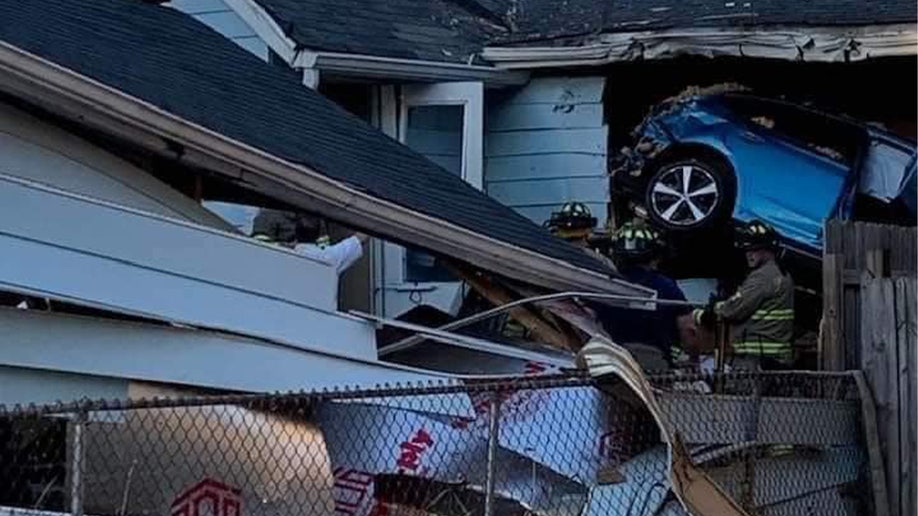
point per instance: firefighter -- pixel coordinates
(637, 252)
(575, 224)
(761, 312)
(308, 238)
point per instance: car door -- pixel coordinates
(791, 172)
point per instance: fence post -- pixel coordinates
(493, 434)
(78, 425)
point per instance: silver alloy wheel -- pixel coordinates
(684, 195)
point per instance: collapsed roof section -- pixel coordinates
(157, 78)
(526, 34)
(543, 20)
(589, 32)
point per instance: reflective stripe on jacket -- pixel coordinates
(762, 313)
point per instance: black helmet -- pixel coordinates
(283, 226)
(755, 235)
(631, 242)
(573, 220)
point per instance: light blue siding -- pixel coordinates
(546, 192)
(540, 143)
(198, 6)
(561, 90)
(548, 144)
(218, 16)
(23, 386)
(544, 166)
(514, 117)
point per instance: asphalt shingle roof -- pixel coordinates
(168, 59)
(431, 30)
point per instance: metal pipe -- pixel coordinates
(78, 423)
(720, 347)
(628, 301)
(493, 435)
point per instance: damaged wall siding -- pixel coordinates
(38, 151)
(218, 16)
(547, 144)
(120, 270)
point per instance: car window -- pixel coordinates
(827, 136)
(884, 170)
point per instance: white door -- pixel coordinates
(444, 123)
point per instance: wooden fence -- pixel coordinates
(870, 323)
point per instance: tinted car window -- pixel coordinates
(884, 170)
(830, 137)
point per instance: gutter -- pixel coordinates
(791, 43)
(363, 66)
(374, 67)
(95, 104)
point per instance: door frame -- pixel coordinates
(392, 294)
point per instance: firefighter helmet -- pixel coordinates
(631, 242)
(574, 220)
(756, 235)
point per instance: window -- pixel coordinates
(436, 132)
(819, 133)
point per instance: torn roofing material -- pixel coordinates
(457, 30)
(160, 62)
(432, 30)
(540, 20)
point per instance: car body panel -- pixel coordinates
(793, 185)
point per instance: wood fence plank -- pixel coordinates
(874, 448)
(912, 290)
(875, 364)
(886, 333)
(900, 301)
(905, 314)
(851, 326)
(829, 340)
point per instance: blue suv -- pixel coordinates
(701, 160)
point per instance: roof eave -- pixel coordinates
(792, 43)
(70, 94)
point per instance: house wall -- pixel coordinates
(546, 144)
(38, 151)
(135, 262)
(217, 15)
(23, 386)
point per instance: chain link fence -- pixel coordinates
(778, 443)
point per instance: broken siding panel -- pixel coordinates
(546, 145)
(106, 348)
(218, 16)
(133, 262)
(35, 150)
